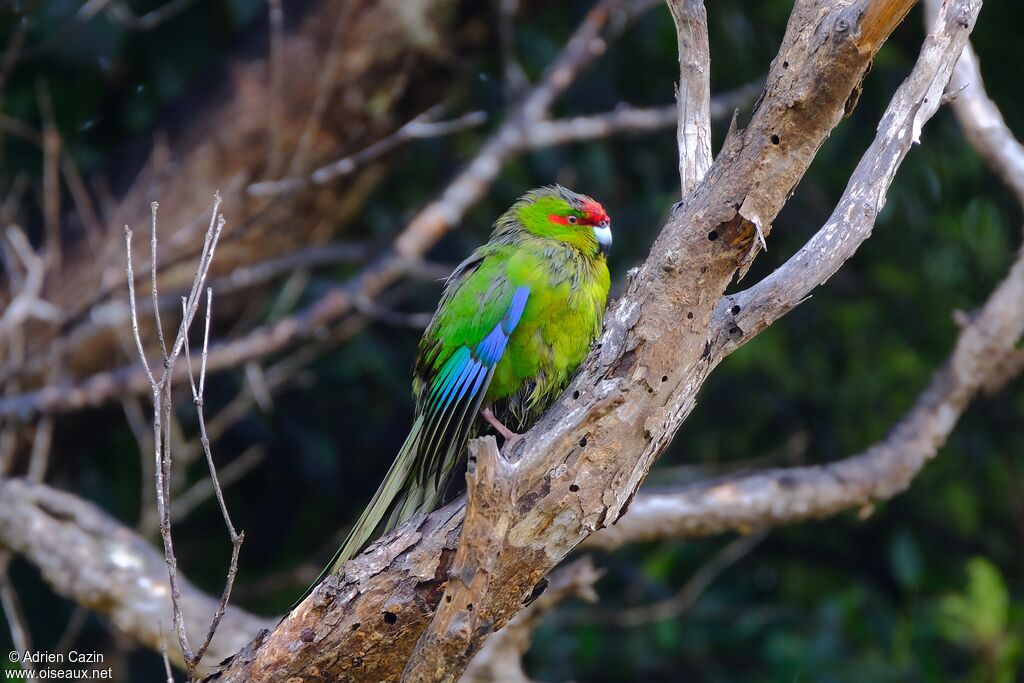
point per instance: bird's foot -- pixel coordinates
(507, 434)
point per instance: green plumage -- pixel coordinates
(515, 321)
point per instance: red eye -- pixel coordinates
(572, 220)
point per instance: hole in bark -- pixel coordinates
(776, 139)
(355, 626)
(575, 395)
(713, 235)
(447, 598)
(583, 442)
(664, 378)
(469, 607)
(735, 310)
(574, 488)
(390, 618)
(689, 316)
(734, 331)
(785, 65)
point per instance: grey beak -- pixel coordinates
(603, 233)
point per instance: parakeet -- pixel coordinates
(515, 321)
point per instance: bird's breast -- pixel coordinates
(561, 319)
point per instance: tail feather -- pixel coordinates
(389, 497)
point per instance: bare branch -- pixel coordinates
(27, 303)
(90, 558)
(162, 419)
(693, 94)
(420, 127)
(740, 317)
(131, 305)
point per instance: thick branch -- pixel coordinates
(742, 316)
(93, 560)
(783, 496)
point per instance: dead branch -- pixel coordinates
(740, 317)
(235, 537)
(160, 388)
(693, 93)
(92, 559)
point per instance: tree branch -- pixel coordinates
(693, 94)
(740, 317)
(95, 561)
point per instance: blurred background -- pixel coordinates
(106, 106)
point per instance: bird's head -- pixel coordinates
(556, 213)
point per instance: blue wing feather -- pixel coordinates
(457, 391)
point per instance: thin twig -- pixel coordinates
(275, 64)
(52, 144)
(20, 634)
(418, 128)
(236, 538)
(39, 459)
(152, 278)
(162, 421)
(692, 590)
(167, 660)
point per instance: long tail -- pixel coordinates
(397, 494)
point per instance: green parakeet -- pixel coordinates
(515, 321)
